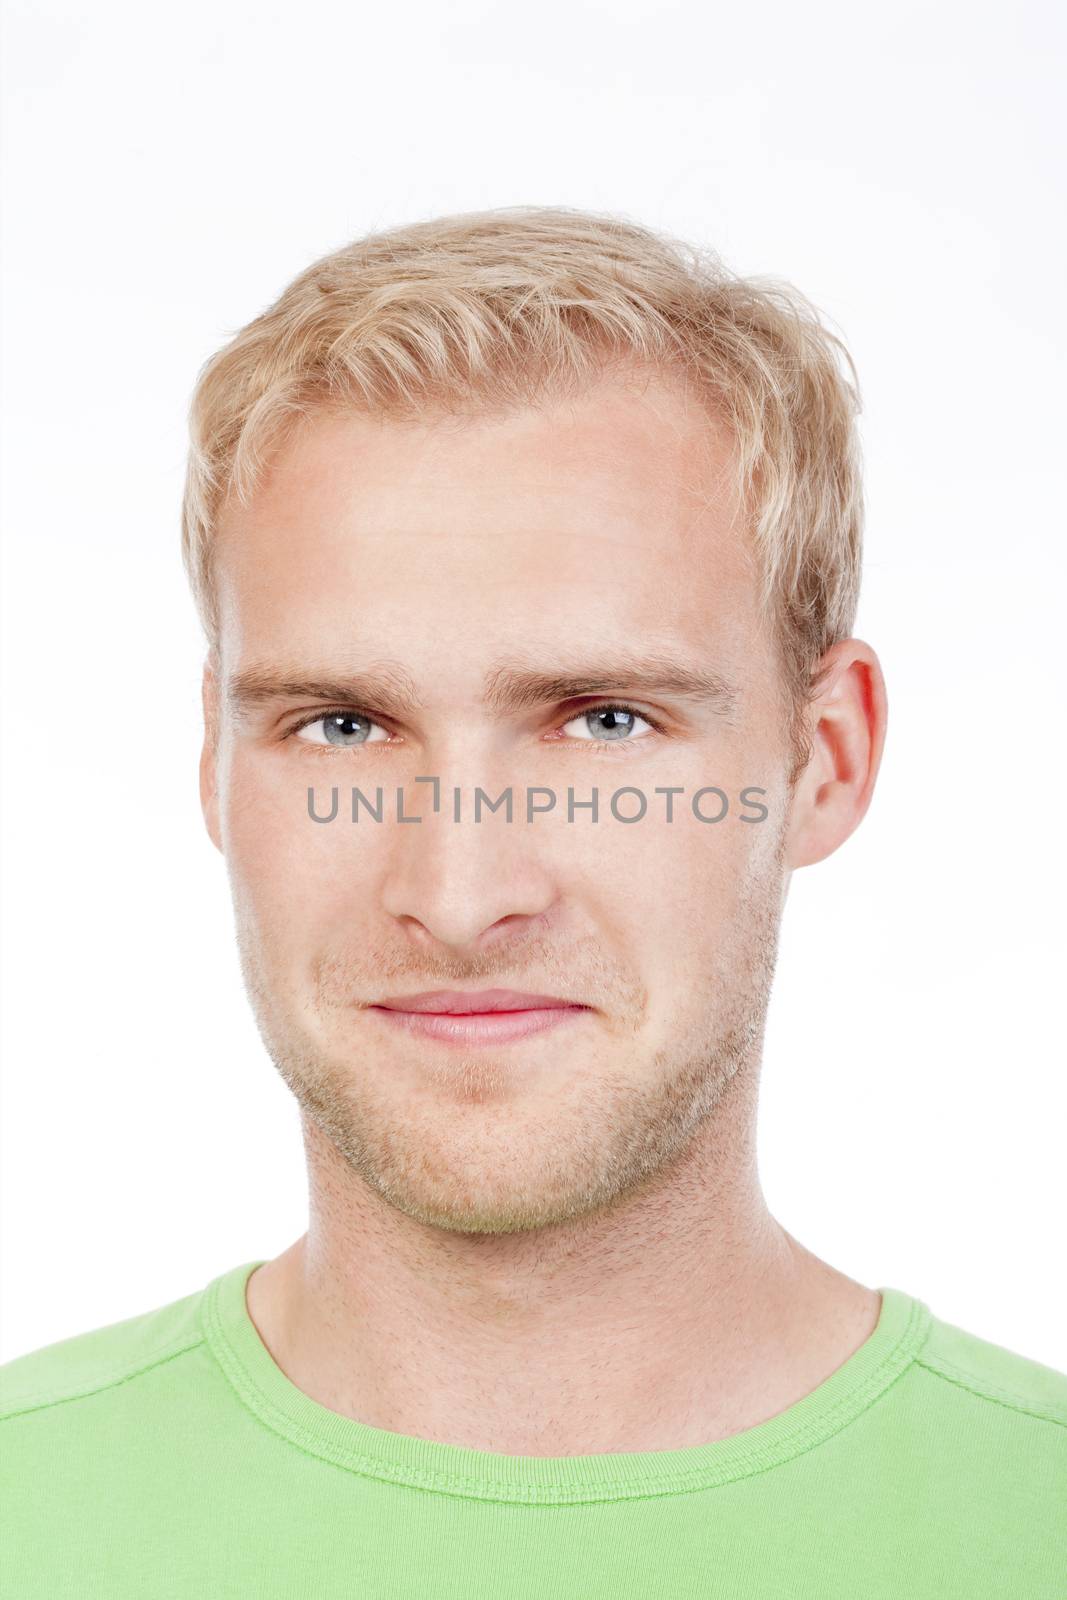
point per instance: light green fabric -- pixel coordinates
(168, 1455)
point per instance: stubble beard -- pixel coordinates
(634, 1127)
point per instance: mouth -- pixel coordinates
(487, 1016)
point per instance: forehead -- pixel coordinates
(612, 513)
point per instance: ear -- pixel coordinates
(847, 723)
(209, 792)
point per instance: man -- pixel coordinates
(527, 550)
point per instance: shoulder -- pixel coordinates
(99, 1359)
(973, 1374)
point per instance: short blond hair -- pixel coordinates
(490, 309)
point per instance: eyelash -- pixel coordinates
(587, 711)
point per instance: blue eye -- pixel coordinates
(341, 728)
(608, 723)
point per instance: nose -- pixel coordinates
(467, 884)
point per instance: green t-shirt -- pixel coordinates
(167, 1455)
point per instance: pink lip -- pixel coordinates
(463, 1002)
(489, 1016)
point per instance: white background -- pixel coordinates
(167, 171)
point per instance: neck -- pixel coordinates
(681, 1316)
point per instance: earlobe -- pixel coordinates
(848, 724)
(209, 798)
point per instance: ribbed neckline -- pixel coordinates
(263, 1387)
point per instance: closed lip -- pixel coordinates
(457, 1002)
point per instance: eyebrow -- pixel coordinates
(517, 688)
(386, 688)
(509, 685)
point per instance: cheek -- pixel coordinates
(666, 887)
(293, 875)
(711, 881)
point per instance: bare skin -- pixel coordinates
(559, 1245)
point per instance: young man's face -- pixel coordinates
(563, 543)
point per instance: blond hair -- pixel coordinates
(491, 309)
